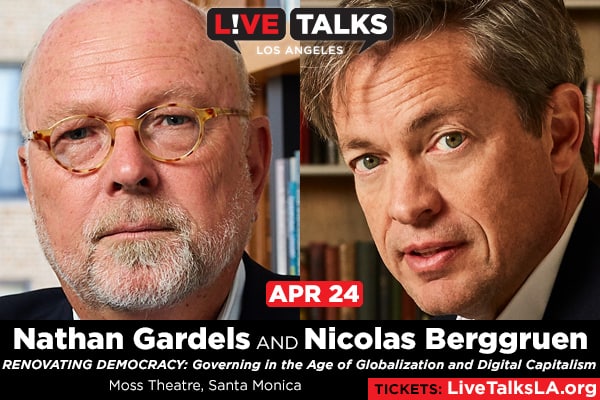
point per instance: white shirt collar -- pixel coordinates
(232, 308)
(529, 303)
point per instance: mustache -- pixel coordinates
(150, 211)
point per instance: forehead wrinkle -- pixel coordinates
(370, 77)
(433, 115)
(183, 95)
(413, 92)
(91, 45)
(419, 123)
(103, 54)
(365, 103)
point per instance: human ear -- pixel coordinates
(24, 168)
(258, 153)
(567, 125)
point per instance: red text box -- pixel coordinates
(314, 294)
(483, 388)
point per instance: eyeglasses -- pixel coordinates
(167, 133)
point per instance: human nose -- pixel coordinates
(414, 198)
(129, 167)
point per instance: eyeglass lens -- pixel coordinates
(167, 133)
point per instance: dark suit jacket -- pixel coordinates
(576, 291)
(52, 304)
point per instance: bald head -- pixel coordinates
(98, 47)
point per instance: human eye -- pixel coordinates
(76, 134)
(77, 130)
(450, 141)
(173, 120)
(171, 117)
(365, 163)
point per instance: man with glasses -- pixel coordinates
(143, 168)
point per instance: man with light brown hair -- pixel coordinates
(468, 140)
